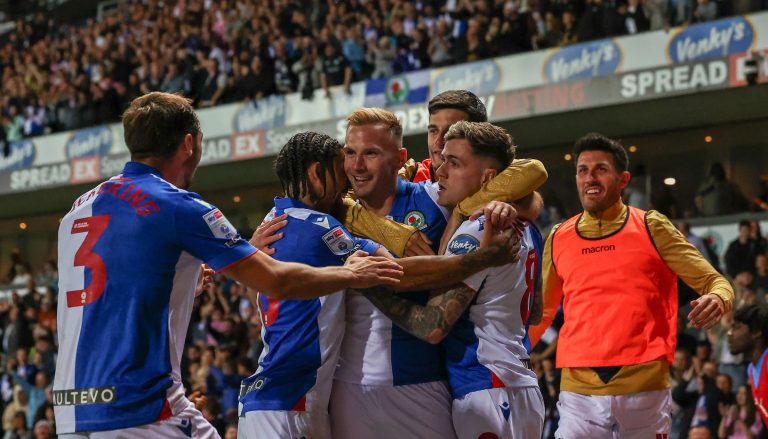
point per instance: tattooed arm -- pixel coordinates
(537, 308)
(430, 322)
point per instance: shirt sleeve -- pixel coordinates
(552, 291)
(393, 235)
(519, 179)
(204, 232)
(682, 257)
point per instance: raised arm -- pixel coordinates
(519, 179)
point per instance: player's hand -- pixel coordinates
(707, 311)
(369, 271)
(205, 279)
(530, 206)
(198, 399)
(418, 245)
(501, 247)
(269, 232)
(501, 215)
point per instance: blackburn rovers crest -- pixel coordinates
(415, 219)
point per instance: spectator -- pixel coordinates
(635, 18)
(335, 70)
(716, 195)
(18, 427)
(36, 392)
(757, 236)
(570, 31)
(706, 10)
(381, 55)
(760, 280)
(353, 51)
(740, 420)
(742, 252)
(439, 47)
(18, 404)
(43, 430)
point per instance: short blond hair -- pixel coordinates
(377, 116)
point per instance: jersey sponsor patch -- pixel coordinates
(339, 242)
(220, 226)
(416, 219)
(463, 244)
(93, 395)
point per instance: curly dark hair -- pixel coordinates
(298, 153)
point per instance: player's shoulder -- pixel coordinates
(311, 219)
(467, 237)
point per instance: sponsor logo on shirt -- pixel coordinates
(92, 395)
(339, 242)
(463, 244)
(415, 219)
(221, 227)
(598, 249)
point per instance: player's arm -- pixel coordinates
(433, 272)
(551, 294)
(515, 184)
(287, 280)
(430, 322)
(398, 238)
(519, 179)
(685, 260)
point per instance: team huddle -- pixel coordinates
(399, 299)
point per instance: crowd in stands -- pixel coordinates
(709, 385)
(59, 76)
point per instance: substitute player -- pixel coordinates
(484, 320)
(288, 395)
(616, 267)
(130, 254)
(749, 336)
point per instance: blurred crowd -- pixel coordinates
(63, 76)
(709, 384)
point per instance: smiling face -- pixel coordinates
(371, 160)
(598, 181)
(439, 122)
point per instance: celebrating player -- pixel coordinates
(130, 254)
(288, 395)
(616, 268)
(382, 365)
(495, 392)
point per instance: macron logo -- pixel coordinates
(598, 249)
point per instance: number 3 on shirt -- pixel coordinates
(93, 226)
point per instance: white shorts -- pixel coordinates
(503, 413)
(188, 423)
(385, 412)
(634, 416)
(280, 424)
